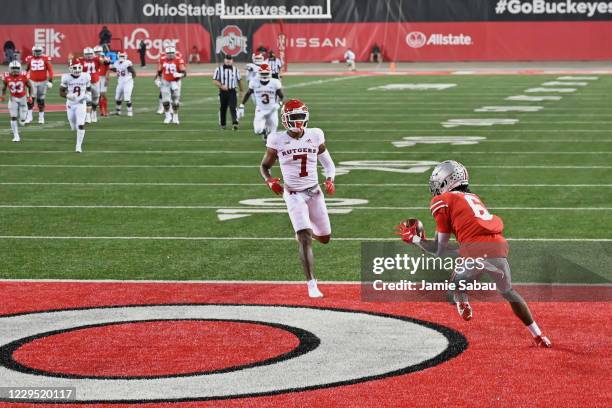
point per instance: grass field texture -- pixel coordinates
(147, 200)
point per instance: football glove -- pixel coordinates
(274, 184)
(71, 97)
(240, 112)
(30, 99)
(49, 85)
(330, 188)
(409, 234)
(157, 82)
(178, 75)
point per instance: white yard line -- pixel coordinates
(185, 238)
(249, 282)
(280, 207)
(377, 185)
(242, 166)
(259, 152)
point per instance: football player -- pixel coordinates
(170, 71)
(91, 65)
(75, 87)
(40, 72)
(19, 87)
(252, 68)
(103, 72)
(125, 82)
(268, 98)
(460, 212)
(298, 149)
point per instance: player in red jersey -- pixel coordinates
(104, 71)
(40, 72)
(479, 235)
(170, 71)
(19, 87)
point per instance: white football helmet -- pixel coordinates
(37, 50)
(446, 176)
(122, 56)
(14, 67)
(264, 73)
(295, 115)
(170, 52)
(98, 50)
(75, 69)
(258, 59)
(88, 53)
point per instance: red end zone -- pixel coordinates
(499, 366)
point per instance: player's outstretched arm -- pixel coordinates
(266, 165)
(247, 95)
(329, 169)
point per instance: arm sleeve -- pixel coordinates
(329, 169)
(49, 69)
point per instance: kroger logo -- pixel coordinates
(155, 46)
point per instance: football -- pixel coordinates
(419, 225)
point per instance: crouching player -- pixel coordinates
(479, 234)
(19, 87)
(125, 82)
(75, 87)
(298, 150)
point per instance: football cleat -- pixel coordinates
(175, 119)
(313, 290)
(88, 118)
(41, 120)
(16, 138)
(235, 127)
(94, 116)
(29, 117)
(465, 310)
(130, 114)
(168, 118)
(542, 341)
(78, 149)
(160, 110)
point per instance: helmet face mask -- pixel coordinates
(99, 51)
(76, 69)
(14, 68)
(447, 176)
(88, 53)
(258, 59)
(37, 51)
(122, 56)
(170, 52)
(295, 116)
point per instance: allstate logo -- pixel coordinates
(416, 39)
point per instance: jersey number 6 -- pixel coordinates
(480, 211)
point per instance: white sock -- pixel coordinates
(15, 128)
(534, 329)
(80, 137)
(30, 112)
(41, 115)
(129, 109)
(312, 283)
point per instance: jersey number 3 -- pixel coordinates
(480, 211)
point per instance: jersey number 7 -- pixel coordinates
(304, 159)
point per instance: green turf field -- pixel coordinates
(548, 176)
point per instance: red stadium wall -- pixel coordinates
(60, 40)
(447, 41)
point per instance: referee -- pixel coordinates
(275, 65)
(227, 77)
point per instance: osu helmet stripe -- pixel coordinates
(295, 115)
(15, 67)
(446, 176)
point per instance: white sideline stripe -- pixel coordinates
(253, 282)
(241, 166)
(252, 208)
(382, 185)
(352, 131)
(259, 152)
(49, 237)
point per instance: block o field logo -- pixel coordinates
(417, 39)
(306, 348)
(231, 41)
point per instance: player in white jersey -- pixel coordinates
(125, 82)
(268, 98)
(75, 87)
(252, 68)
(298, 149)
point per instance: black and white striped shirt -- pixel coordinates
(228, 75)
(275, 65)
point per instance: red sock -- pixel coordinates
(103, 109)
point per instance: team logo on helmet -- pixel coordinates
(231, 41)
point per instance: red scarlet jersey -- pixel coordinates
(169, 66)
(17, 85)
(465, 216)
(39, 68)
(90, 66)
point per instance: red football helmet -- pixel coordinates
(294, 115)
(264, 73)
